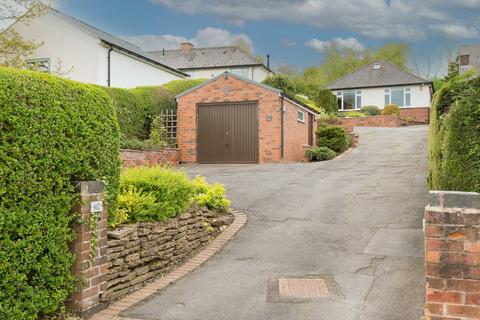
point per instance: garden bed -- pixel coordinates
(138, 253)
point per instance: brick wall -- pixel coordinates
(90, 265)
(421, 114)
(138, 253)
(269, 117)
(295, 133)
(391, 121)
(137, 158)
(452, 256)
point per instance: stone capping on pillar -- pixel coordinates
(452, 256)
(454, 199)
(90, 266)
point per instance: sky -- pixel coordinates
(294, 32)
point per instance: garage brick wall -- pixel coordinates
(230, 90)
(296, 133)
(237, 90)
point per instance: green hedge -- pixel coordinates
(454, 142)
(137, 107)
(333, 137)
(179, 86)
(52, 131)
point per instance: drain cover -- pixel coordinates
(300, 289)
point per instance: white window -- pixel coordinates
(349, 99)
(42, 65)
(399, 96)
(301, 116)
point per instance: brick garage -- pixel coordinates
(230, 119)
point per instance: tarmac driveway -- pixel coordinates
(354, 222)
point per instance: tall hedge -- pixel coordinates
(52, 131)
(454, 145)
(137, 107)
(179, 86)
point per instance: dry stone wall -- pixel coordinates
(138, 253)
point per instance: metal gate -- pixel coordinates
(227, 133)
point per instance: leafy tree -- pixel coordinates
(453, 69)
(13, 48)
(282, 82)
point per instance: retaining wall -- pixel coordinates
(137, 158)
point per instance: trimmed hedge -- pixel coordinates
(179, 86)
(53, 131)
(454, 142)
(333, 137)
(137, 107)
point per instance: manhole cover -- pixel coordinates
(300, 289)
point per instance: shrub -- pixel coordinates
(137, 107)
(370, 111)
(281, 82)
(391, 109)
(306, 101)
(179, 86)
(158, 132)
(320, 154)
(333, 137)
(171, 189)
(210, 196)
(326, 118)
(326, 100)
(160, 193)
(353, 114)
(52, 131)
(454, 141)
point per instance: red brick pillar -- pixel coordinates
(452, 255)
(90, 246)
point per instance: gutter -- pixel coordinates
(109, 62)
(282, 142)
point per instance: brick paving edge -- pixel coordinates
(117, 307)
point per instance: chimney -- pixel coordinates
(268, 61)
(186, 47)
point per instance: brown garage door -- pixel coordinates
(227, 133)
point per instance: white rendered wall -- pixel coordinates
(75, 49)
(419, 96)
(257, 73)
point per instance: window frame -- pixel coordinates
(357, 101)
(302, 118)
(407, 92)
(31, 62)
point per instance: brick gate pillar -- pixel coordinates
(89, 246)
(452, 256)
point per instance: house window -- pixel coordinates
(42, 65)
(349, 99)
(464, 59)
(399, 96)
(301, 116)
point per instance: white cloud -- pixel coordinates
(457, 31)
(341, 43)
(208, 37)
(408, 20)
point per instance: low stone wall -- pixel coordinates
(452, 256)
(137, 253)
(137, 158)
(419, 115)
(391, 121)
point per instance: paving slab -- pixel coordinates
(355, 220)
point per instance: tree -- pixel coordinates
(282, 82)
(453, 69)
(13, 48)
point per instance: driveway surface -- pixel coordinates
(355, 221)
